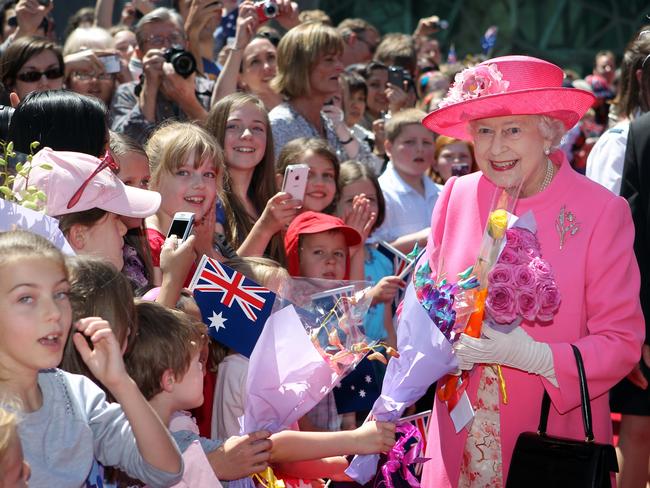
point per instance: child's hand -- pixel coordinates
(241, 456)
(104, 360)
(280, 210)
(386, 289)
(360, 217)
(176, 258)
(204, 231)
(374, 437)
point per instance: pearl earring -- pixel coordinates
(547, 150)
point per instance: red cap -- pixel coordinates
(314, 223)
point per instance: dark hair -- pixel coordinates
(98, 289)
(87, 218)
(22, 50)
(354, 82)
(634, 93)
(85, 15)
(166, 339)
(353, 171)
(294, 151)
(62, 120)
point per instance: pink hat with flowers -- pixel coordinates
(74, 182)
(509, 85)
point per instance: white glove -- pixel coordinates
(515, 349)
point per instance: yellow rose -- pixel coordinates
(497, 223)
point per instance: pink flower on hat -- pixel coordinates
(475, 82)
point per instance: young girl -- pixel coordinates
(67, 418)
(255, 213)
(14, 470)
(357, 179)
(322, 188)
(89, 201)
(186, 169)
(133, 170)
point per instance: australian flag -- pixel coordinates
(234, 307)
(359, 389)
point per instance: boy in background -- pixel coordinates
(409, 194)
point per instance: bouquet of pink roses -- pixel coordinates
(521, 284)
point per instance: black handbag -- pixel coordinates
(539, 460)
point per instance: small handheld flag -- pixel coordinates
(234, 307)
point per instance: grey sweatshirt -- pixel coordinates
(75, 424)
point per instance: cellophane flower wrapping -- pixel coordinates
(313, 339)
(425, 356)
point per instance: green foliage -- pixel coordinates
(29, 196)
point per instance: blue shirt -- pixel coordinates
(376, 266)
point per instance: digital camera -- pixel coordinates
(266, 10)
(183, 61)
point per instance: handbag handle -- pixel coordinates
(584, 397)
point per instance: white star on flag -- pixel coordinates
(217, 321)
(368, 379)
(362, 393)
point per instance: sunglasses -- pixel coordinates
(34, 76)
(106, 162)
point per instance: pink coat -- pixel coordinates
(598, 278)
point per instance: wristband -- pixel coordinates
(347, 141)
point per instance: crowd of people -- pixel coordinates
(108, 376)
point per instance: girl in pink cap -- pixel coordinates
(515, 111)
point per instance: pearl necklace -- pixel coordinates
(548, 176)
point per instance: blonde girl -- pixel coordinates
(186, 169)
(67, 420)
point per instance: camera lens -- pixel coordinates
(271, 9)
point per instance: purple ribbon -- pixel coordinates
(399, 458)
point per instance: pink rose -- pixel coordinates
(524, 276)
(500, 275)
(527, 305)
(548, 297)
(512, 239)
(509, 256)
(529, 253)
(541, 268)
(500, 304)
(528, 239)
(475, 82)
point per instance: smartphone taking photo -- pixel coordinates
(295, 180)
(181, 225)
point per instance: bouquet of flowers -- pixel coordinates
(521, 284)
(425, 355)
(312, 340)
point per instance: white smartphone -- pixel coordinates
(181, 225)
(295, 180)
(111, 63)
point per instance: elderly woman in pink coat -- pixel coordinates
(515, 111)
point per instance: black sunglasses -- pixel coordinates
(34, 76)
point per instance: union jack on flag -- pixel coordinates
(234, 307)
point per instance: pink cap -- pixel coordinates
(104, 190)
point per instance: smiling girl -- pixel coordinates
(255, 213)
(323, 171)
(186, 169)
